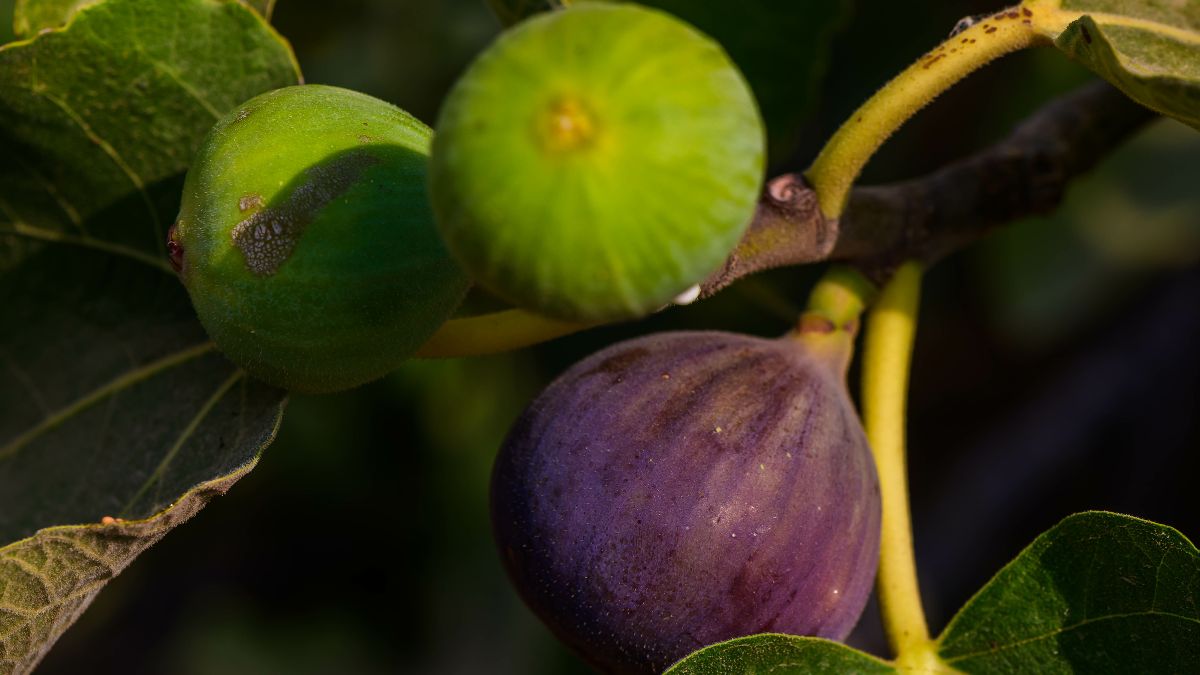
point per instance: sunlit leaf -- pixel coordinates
(776, 654)
(1099, 592)
(1149, 49)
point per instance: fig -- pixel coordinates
(596, 161)
(685, 488)
(306, 241)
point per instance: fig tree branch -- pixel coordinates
(927, 218)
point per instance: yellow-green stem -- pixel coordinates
(847, 151)
(494, 333)
(891, 327)
(830, 321)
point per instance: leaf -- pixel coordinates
(1099, 592)
(33, 16)
(113, 403)
(779, 655)
(99, 121)
(1149, 49)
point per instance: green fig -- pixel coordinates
(597, 161)
(306, 241)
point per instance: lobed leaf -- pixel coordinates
(1099, 592)
(1149, 49)
(779, 654)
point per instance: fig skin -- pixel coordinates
(682, 489)
(306, 241)
(597, 161)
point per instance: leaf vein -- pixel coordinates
(96, 395)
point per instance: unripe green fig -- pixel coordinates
(306, 241)
(681, 489)
(597, 161)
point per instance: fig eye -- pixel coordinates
(595, 184)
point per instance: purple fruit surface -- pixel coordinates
(681, 489)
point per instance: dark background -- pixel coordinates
(1056, 371)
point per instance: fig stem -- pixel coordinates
(830, 322)
(891, 329)
(494, 333)
(846, 152)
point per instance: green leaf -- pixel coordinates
(1099, 592)
(99, 121)
(1149, 49)
(113, 403)
(33, 16)
(779, 655)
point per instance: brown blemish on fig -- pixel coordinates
(1026, 12)
(268, 237)
(251, 201)
(241, 115)
(363, 138)
(174, 248)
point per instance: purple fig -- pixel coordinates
(681, 489)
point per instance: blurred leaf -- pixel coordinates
(33, 16)
(1099, 592)
(99, 121)
(512, 11)
(1050, 278)
(1147, 48)
(114, 404)
(779, 655)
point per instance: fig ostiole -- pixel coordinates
(306, 241)
(596, 162)
(680, 489)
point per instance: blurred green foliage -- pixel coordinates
(362, 543)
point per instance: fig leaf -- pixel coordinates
(1097, 592)
(115, 404)
(112, 401)
(33, 16)
(779, 655)
(1149, 50)
(99, 121)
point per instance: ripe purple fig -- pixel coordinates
(681, 489)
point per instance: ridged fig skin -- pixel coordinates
(685, 488)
